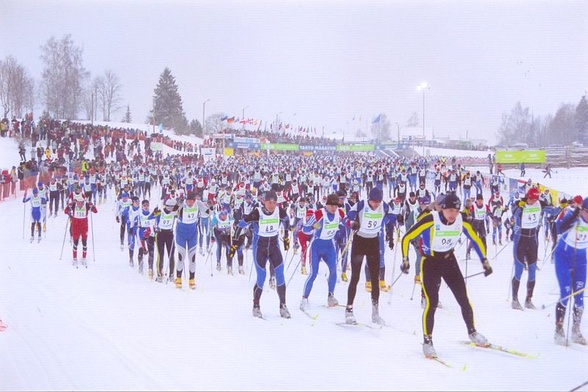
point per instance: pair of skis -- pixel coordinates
(489, 346)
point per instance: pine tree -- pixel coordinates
(127, 118)
(582, 120)
(168, 104)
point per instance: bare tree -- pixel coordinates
(16, 88)
(109, 93)
(63, 77)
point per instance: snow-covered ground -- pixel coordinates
(108, 328)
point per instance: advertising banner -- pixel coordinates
(526, 156)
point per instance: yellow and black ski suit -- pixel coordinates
(438, 262)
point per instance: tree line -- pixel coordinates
(67, 89)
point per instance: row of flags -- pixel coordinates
(251, 123)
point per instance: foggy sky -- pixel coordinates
(324, 64)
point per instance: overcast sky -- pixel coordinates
(324, 63)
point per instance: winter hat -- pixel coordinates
(125, 194)
(35, 191)
(341, 193)
(585, 204)
(533, 193)
(170, 202)
(309, 212)
(191, 195)
(333, 200)
(78, 197)
(439, 199)
(451, 201)
(270, 196)
(411, 194)
(424, 200)
(375, 195)
(578, 199)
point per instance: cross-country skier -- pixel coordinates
(78, 214)
(187, 239)
(570, 268)
(37, 202)
(266, 247)
(440, 232)
(325, 224)
(369, 219)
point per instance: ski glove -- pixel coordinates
(286, 243)
(354, 225)
(487, 268)
(391, 243)
(117, 219)
(405, 266)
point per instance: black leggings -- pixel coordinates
(445, 266)
(370, 248)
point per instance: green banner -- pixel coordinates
(526, 156)
(355, 147)
(279, 147)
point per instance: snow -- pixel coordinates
(108, 328)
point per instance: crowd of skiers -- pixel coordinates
(331, 209)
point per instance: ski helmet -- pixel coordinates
(533, 194)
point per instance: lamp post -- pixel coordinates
(422, 87)
(203, 114)
(243, 117)
(398, 128)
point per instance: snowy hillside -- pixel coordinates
(109, 328)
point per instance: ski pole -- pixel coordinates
(510, 282)
(251, 268)
(293, 273)
(496, 255)
(290, 262)
(472, 275)
(466, 271)
(24, 213)
(412, 293)
(92, 233)
(63, 243)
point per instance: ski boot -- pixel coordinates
(383, 287)
(241, 270)
(178, 283)
(218, 266)
(478, 339)
(192, 284)
(75, 262)
(84, 263)
(332, 301)
(376, 315)
(303, 270)
(349, 317)
(150, 274)
(304, 304)
(344, 277)
(368, 287)
(576, 333)
(428, 348)
(229, 270)
(257, 312)
(284, 312)
(559, 336)
(272, 282)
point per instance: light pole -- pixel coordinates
(203, 114)
(422, 87)
(243, 118)
(398, 128)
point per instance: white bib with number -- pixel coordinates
(269, 225)
(444, 237)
